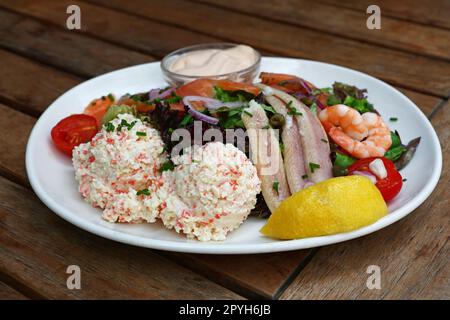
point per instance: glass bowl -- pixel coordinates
(245, 75)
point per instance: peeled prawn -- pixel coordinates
(362, 135)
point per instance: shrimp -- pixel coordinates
(363, 136)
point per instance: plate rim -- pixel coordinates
(227, 248)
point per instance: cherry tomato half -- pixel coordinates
(72, 131)
(389, 186)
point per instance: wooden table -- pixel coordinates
(40, 59)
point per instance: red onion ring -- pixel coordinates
(305, 86)
(320, 104)
(154, 93)
(197, 114)
(213, 104)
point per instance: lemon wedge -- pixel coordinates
(332, 206)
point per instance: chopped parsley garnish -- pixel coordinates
(248, 113)
(103, 98)
(393, 119)
(305, 176)
(313, 166)
(266, 127)
(275, 186)
(167, 166)
(125, 124)
(111, 97)
(110, 127)
(131, 125)
(122, 124)
(141, 134)
(143, 192)
(291, 110)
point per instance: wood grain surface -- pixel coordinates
(41, 60)
(349, 23)
(431, 12)
(49, 44)
(111, 25)
(9, 293)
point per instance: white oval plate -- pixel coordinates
(52, 176)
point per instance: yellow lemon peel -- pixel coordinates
(333, 206)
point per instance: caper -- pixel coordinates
(277, 121)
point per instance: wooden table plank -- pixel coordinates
(71, 51)
(37, 247)
(430, 12)
(253, 276)
(412, 253)
(400, 68)
(397, 34)
(8, 293)
(25, 89)
(110, 25)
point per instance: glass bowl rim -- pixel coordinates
(206, 46)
